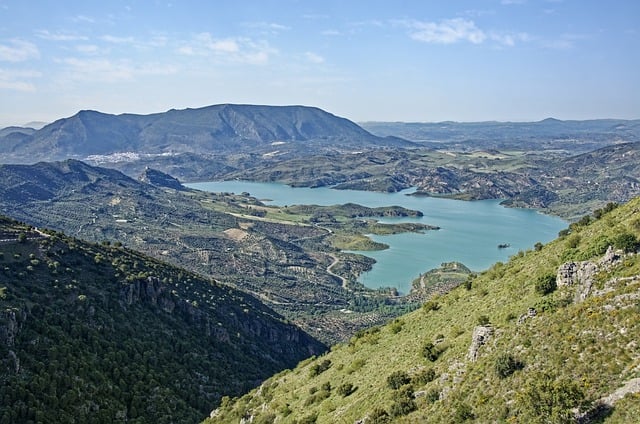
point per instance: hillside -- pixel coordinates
(99, 333)
(217, 129)
(544, 338)
(289, 257)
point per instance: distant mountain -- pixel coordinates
(548, 134)
(210, 130)
(99, 333)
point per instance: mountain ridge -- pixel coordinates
(225, 128)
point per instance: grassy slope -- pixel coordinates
(586, 350)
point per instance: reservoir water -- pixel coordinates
(470, 231)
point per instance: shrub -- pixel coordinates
(346, 389)
(546, 284)
(505, 365)
(424, 377)
(431, 351)
(483, 320)
(378, 416)
(538, 246)
(431, 305)
(397, 379)
(433, 395)
(463, 413)
(403, 402)
(546, 399)
(318, 369)
(626, 242)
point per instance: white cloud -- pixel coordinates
(104, 70)
(511, 2)
(331, 32)
(87, 48)
(448, 31)
(118, 40)
(314, 58)
(271, 27)
(510, 39)
(59, 36)
(243, 50)
(18, 80)
(18, 51)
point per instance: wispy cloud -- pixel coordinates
(457, 30)
(59, 36)
(564, 42)
(83, 18)
(18, 80)
(109, 71)
(270, 27)
(314, 58)
(235, 49)
(448, 31)
(17, 50)
(118, 40)
(512, 2)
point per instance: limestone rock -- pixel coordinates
(481, 335)
(582, 274)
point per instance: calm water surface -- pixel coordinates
(470, 231)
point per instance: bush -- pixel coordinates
(546, 399)
(346, 389)
(424, 377)
(318, 369)
(378, 416)
(546, 284)
(505, 365)
(626, 242)
(431, 351)
(403, 402)
(463, 413)
(483, 320)
(397, 379)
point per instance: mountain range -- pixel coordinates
(216, 129)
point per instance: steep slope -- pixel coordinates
(98, 333)
(217, 129)
(549, 337)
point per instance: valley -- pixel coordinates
(123, 185)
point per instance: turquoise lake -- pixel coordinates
(470, 232)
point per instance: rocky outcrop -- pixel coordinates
(481, 335)
(10, 325)
(160, 179)
(581, 275)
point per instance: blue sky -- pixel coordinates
(374, 60)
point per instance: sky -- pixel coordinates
(365, 60)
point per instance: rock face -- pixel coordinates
(581, 275)
(481, 335)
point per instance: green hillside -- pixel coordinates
(99, 333)
(549, 337)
